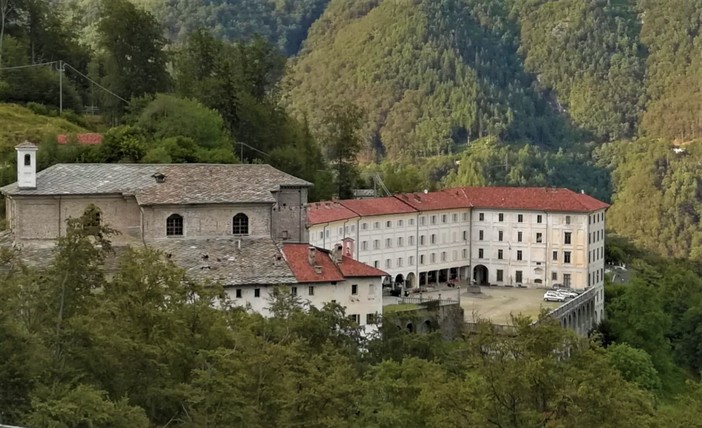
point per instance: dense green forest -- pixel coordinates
(144, 347)
(603, 96)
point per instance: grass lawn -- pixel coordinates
(388, 309)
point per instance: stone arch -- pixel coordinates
(411, 280)
(410, 327)
(399, 280)
(481, 275)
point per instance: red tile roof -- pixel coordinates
(377, 206)
(529, 198)
(325, 212)
(87, 139)
(432, 201)
(515, 198)
(297, 257)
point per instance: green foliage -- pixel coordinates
(284, 23)
(341, 139)
(132, 61)
(634, 365)
(657, 195)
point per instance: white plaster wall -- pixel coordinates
(368, 300)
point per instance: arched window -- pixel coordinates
(240, 224)
(174, 225)
(27, 160)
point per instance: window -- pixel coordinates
(480, 235)
(465, 235)
(566, 279)
(433, 257)
(455, 218)
(376, 264)
(238, 293)
(400, 223)
(376, 225)
(257, 292)
(388, 224)
(519, 236)
(443, 256)
(240, 224)
(421, 259)
(321, 234)
(539, 238)
(355, 318)
(421, 240)
(500, 235)
(174, 225)
(370, 318)
(465, 216)
(364, 226)
(519, 254)
(554, 276)
(465, 254)
(520, 218)
(500, 275)
(567, 219)
(501, 217)
(27, 160)
(480, 253)
(364, 245)
(411, 240)
(399, 262)
(327, 233)
(422, 220)
(566, 257)
(481, 216)
(433, 238)
(499, 254)
(310, 290)
(433, 219)
(555, 255)
(411, 260)
(388, 243)
(589, 279)
(399, 241)
(354, 289)
(353, 228)
(518, 277)
(567, 237)
(539, 218)
(411, 222)
(388, 263)
(444, 217)
(376, 244)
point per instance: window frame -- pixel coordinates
(172, 229)
(240, 227)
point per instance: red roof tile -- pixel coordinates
(432, 201)
(297, 257)
(354, 269)
(529, 198)
(325, 212)
(87, 139)
(377, 206)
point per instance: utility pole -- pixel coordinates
(60, 70)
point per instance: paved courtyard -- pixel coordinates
(493, 303)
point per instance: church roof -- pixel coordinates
(180, 184)
(229, 261)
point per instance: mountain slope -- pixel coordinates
(431, 75)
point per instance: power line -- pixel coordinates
(95, 83)
(16, 67)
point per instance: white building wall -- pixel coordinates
(364, 305)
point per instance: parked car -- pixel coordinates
(554, 296)
(569, 294)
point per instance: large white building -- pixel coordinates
(530, 237)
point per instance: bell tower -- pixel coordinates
(26, 165)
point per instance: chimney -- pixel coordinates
(160, 178)
(312, 255)
(337, 253)
(26, 165)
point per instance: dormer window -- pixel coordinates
(240, 224)
(27, 160)
(174, 225)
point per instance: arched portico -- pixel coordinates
(399, 281)
(411, 280)
(480, 275)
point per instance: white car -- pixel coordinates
(553, 296)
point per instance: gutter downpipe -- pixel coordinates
(143, 239)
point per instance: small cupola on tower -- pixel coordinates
(26, 165)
